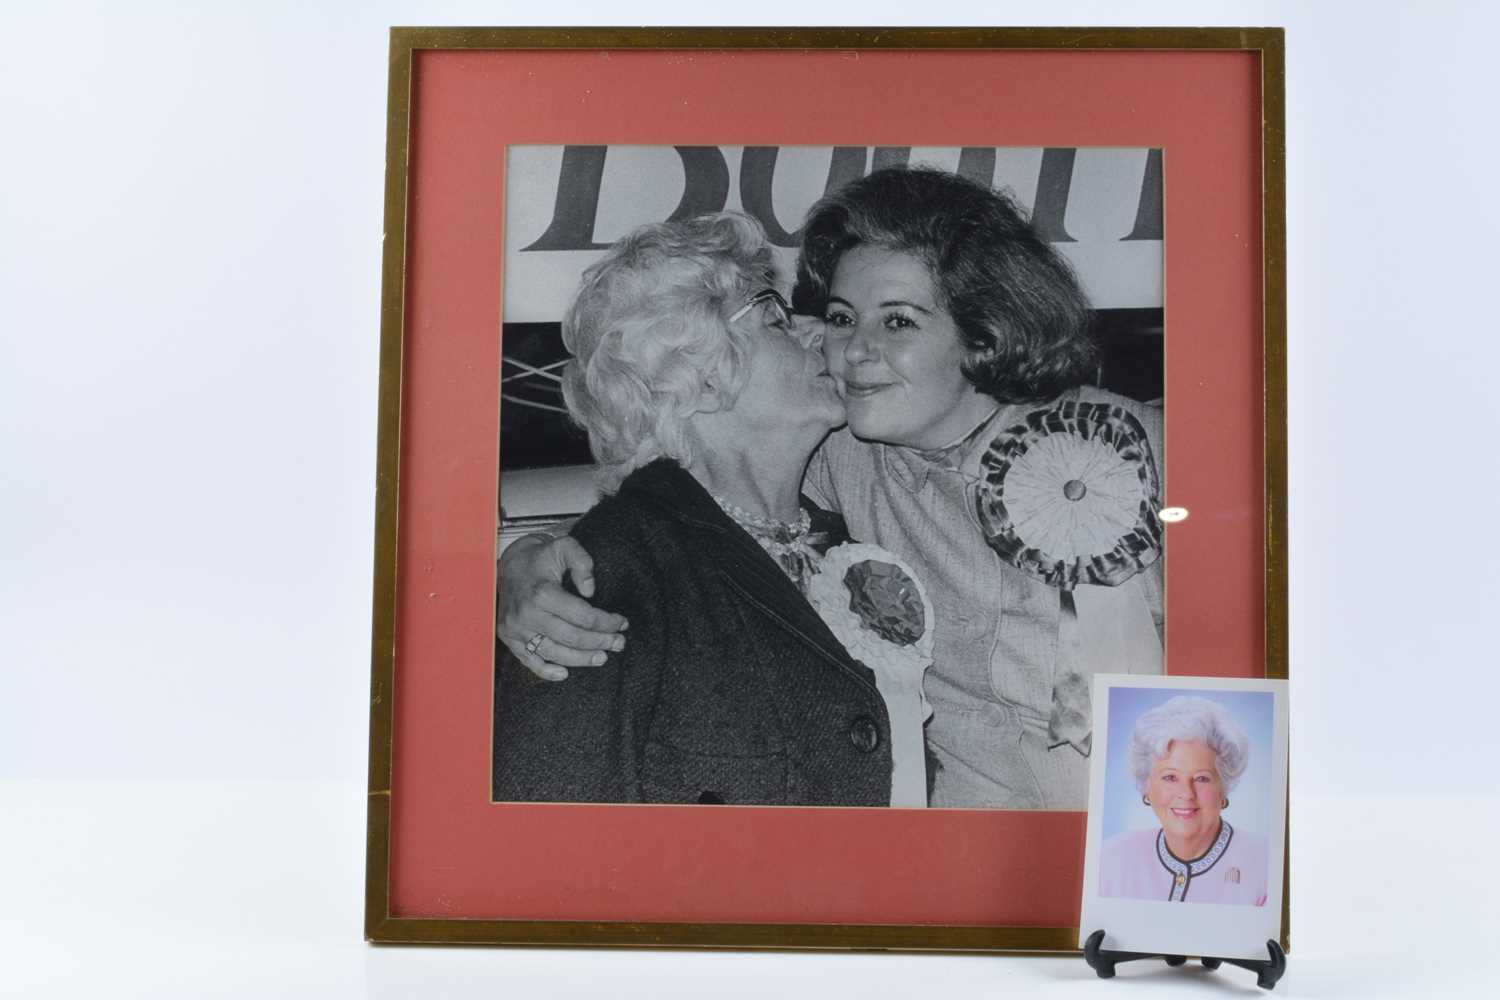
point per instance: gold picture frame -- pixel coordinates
(385, 923)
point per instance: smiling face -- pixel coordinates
(896, 353)
(1186, 793)
(787, 386)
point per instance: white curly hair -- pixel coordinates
(647, 328)
(1189, 717)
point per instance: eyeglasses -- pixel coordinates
(781, 313)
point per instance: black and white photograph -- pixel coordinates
(830, 476)
(1187, 809)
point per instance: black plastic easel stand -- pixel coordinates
(1103, 962)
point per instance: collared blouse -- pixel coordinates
(997, 633)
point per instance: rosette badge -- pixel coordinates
(1071, 496)
(875, 605)
(886, 600)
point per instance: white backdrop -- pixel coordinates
(190, 237)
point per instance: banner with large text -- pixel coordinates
(564, 204)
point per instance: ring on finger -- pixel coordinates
(534, 643)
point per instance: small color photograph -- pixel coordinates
(1186, 846)
(1187, 795)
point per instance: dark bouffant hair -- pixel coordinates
(1015, 300)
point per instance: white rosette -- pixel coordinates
(898, 667)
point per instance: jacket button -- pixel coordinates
(864, 734)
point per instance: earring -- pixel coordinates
(1226, 804)
(1145, 801)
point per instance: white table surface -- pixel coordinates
(254, 889)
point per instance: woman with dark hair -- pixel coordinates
(976, 450)
(1019, 312)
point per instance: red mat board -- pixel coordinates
(456, 854)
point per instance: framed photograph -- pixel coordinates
(997, 318)
(1187, 812)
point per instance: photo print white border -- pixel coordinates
(1218, 930)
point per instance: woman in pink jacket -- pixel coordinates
(1186, 756)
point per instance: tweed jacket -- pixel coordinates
(731, 689)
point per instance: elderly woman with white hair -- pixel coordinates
(1186, 756)
(702, 407)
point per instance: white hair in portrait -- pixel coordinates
(1189, 717)
(648, 336)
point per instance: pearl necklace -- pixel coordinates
(786, 543)
(760, 525)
